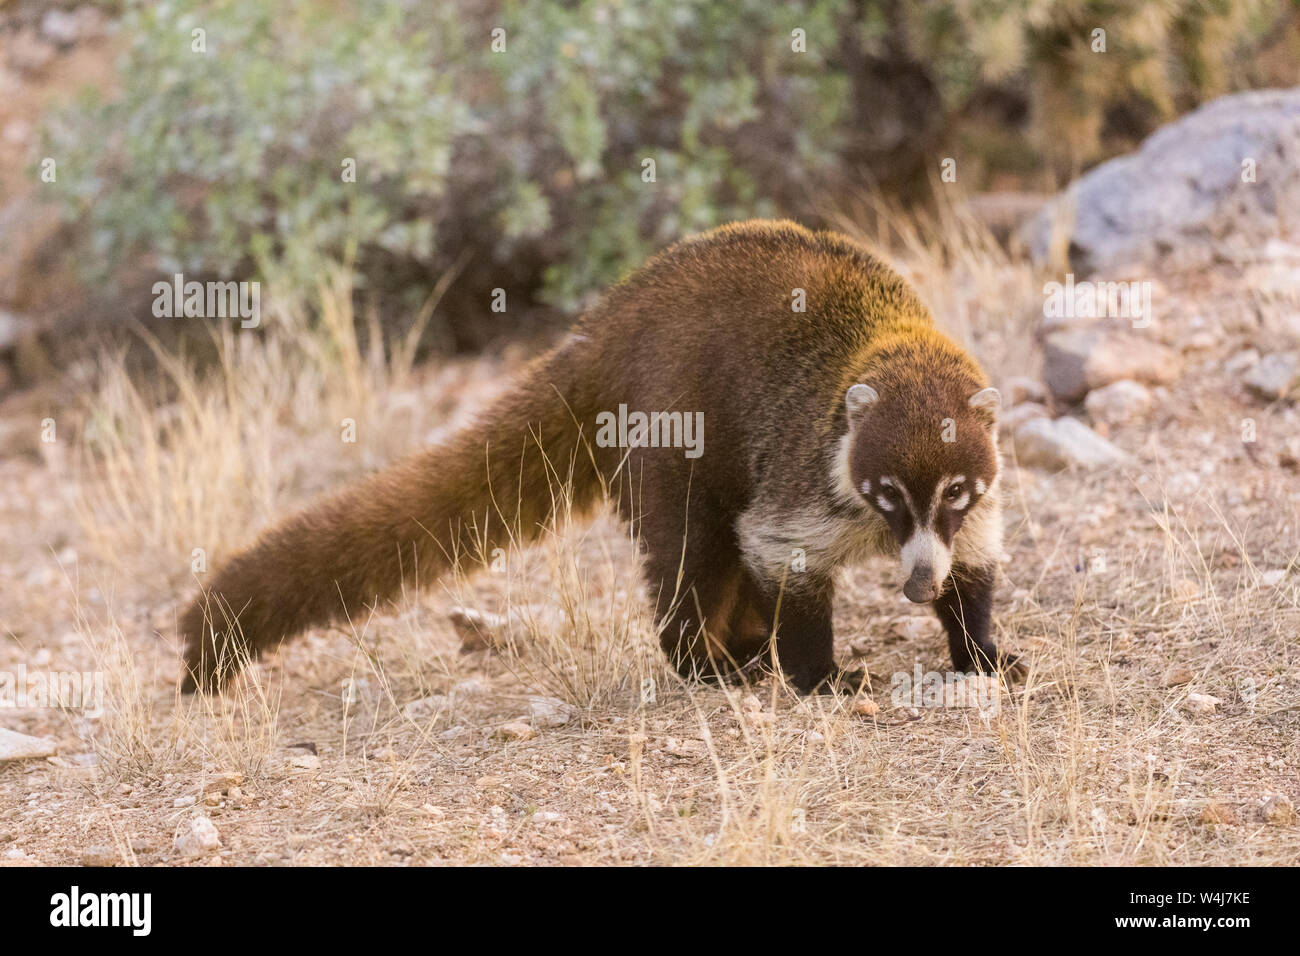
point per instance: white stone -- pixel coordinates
(1019, 389)
(61, 27)
(200, 836)
(1118, 403)
(1201, 703)
(1078, 361)
(16, 746)
(1275, 377)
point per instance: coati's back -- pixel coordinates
(746, 299)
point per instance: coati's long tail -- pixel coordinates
(498, 480)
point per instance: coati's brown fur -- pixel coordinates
(740, 543)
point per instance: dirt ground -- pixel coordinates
(1158, 604)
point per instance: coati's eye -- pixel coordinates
(958, 495)
(887, 498)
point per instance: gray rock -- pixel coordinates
(1275, 377)
(99, 855)
(550, 712)
(1119, 402)
(1242, 361)
(1181, 197)
(1012, 419)
(16, 746)
(1077, 361)
(1063, 443)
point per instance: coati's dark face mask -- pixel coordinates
(923, 468)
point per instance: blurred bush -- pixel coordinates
(525, 167)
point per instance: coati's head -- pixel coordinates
(923, 454)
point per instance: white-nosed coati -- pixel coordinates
(849, 428)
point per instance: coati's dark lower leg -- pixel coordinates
(966, 609)
(805, 642)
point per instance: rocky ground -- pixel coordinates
(1151, 577)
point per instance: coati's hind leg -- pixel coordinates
(966, 610)
(692, 568)
(695, 611)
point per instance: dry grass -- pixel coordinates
(389, 741)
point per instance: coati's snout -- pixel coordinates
(921, 589)
(927, 559)
(923, 469)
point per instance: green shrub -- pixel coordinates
(230, 161)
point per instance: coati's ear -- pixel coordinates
(987, 401)
(859, 399)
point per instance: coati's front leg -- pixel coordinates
(804, 645)
(705, 598)
(805, 642)
(966, 610)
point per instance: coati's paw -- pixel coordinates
(838, 681)
(846, 681)
(754, 671)
(1012, 667)
(1009, 666)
